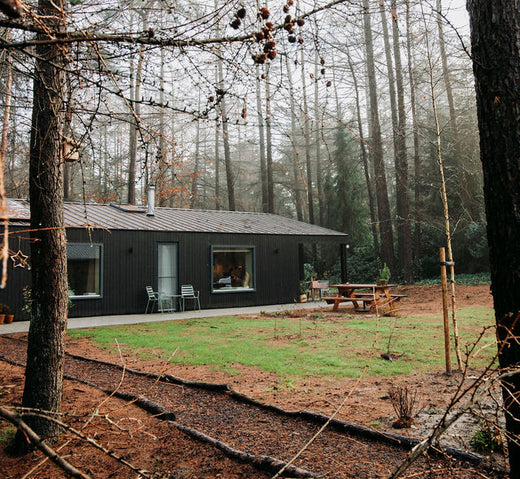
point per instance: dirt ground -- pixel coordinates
(367, 403)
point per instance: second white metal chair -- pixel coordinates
(187, 292)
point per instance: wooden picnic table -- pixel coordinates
(375, 298)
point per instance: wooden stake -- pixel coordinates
(444, 282)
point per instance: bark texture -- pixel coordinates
(383, 204)
(45, 351)
(495, 38)
(404, 229)
(307, 135)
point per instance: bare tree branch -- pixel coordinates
(38, 442)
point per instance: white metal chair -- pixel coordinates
(187, 292)
(153, 299)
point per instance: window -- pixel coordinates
(232, 269)
(84, 269)
(168, 281)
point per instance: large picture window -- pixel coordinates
(233, 268)
(84, 264)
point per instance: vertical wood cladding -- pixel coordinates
(130, 264)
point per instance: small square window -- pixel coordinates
(232, 269)
(84, 265)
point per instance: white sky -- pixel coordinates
(455, 10)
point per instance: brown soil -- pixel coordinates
(156, 446)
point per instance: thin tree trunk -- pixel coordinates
(495, 40)
(3, 150)
(11, 158)
(385, 223)
(404, 229)
(106, 166)
(366, 165)
(218, 203)
(161, 186)
(269, 145)
(391, 76)
(45, 348)
(446, 71)
(195, 174)
(261, 134)
(134, 128)
(444, 202)
(204, 202)
(230, 180)
(218, 200)
(307, 134)
(67, 133)
(446, 76)
(221, 103)
(318, 118)
(298, 176)
(415, 128)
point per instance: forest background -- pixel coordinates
(346, 114)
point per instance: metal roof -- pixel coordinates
(134, 218)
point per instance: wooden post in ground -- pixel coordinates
(444, 282)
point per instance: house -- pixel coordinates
(114, 251)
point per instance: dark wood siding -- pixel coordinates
(130, 264)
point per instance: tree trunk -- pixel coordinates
(404, 229)
(105, 162)
(161, 185)
(444, 196)
(298, 177)
(318, 121)
(134, 128)
(391, 76)
(221, 105)
(3, 149)
(45, 350)
(196, 168)
(364, 159)
(415, 128)
(230, 180)
(218, 200)
(269, 145)
(495, 39)
(307, 134)
(261, 135)
(385, 222)
(67, 133)
(465, 196)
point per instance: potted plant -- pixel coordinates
(4, 310)
(384, 275)
(9, 316)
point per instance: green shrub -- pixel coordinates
(384, 273)
(6, 435)
(487, 438)
(466, 279)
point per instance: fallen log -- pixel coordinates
(264, 463)
(337, 425)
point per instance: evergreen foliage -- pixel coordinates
(345, 188)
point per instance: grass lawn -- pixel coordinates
(315, 345)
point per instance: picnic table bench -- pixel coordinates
(375, 298)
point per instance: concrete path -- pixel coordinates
(97, 321)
